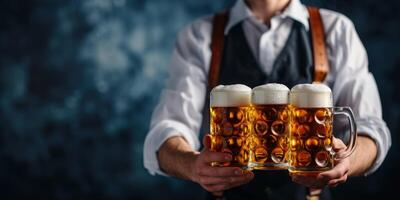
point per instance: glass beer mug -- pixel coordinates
(229, 125)
(269, 118)
(311, 129)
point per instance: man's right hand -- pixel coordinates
(217, 179)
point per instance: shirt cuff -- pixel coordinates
(376, 129)
(158, 135)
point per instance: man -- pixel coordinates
(265, 41)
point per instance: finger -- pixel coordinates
(338, 171)
(210, 156)
(230, 180)
(246, 177)
(221, 171)
(337, 144)
(236, 181)
(207, 141)
(335, 182)
(211, 180)
(237, 184)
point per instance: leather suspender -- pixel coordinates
(321, 65)
(217, 46)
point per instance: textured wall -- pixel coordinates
(79, 80)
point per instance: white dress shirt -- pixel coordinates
(179, 112)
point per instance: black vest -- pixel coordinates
(294, 65)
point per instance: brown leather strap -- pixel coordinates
(217, 45)
(321, 65)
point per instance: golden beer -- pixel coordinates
(269, 143)
(270, 127)
(310, 140)
(229, 124)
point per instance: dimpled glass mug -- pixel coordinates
(269, 117)
(311, 136)
(229, 124)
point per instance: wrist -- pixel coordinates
(176, 158)
(188, 164)
(352, 163)
(363, 156)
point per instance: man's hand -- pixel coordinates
(176, 158)
(216, 179)
(330, 178)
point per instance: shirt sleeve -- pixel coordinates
(179, 112)
(353, 85)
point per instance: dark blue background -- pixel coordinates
(80, 79)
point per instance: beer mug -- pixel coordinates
(229, 125)
(269, 117)
(311, 129)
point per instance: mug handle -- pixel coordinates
(353, 131)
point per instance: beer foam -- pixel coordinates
(230, 95)
(271, 93)
(311, 95)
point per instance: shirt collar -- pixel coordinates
(240, 11)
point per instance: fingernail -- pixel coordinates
(238, 172)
